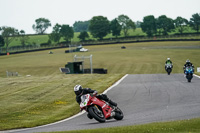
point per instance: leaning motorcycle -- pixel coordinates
(189, 73)
(98, 109)
(168, 68)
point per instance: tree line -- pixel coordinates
(100, 26)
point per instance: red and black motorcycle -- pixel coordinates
(98, 109)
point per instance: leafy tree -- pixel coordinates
(99, 27)
(180, 24)
(195, 21)
(23, 38)
(149, 25)
(126, 23)
(55, 35)
(115, 27)
(41, 25)
(83, 35)
(80, 26)
(165, 24)
(9, 34)
(67, 32)
(2, 42)
(138, 24)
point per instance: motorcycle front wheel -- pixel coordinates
(118, 114)
(168, 71)
(189, 78)
(96, 114)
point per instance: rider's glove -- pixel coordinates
(95, 93)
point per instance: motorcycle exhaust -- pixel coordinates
(112, 114)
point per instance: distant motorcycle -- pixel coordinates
(168, 68)
(99, 109)
(189, 73)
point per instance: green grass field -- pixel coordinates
(47, 95)
(135, 59)
(38, 39)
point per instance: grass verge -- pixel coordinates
(183, 126)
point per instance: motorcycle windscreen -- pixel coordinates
(189, 69)
(84, 100)
(169, 65)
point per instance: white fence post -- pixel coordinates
(198, 69)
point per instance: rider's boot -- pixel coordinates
(112, 103)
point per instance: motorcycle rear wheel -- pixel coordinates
(96, 114)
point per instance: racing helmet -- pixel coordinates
(78, 89)
(187, 61)
(168, 58)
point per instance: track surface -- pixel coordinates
(144, 98)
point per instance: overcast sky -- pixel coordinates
(21, 14)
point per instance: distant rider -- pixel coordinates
(79, 91)
(168, 61)
(188, 64)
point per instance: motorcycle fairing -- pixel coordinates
(189, 70)
(105, 107)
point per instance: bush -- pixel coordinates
(44, 44)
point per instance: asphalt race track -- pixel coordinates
(144, 98)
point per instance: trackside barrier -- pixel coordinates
(9, 74)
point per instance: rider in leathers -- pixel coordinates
(188, 64)
(79, 91)
(168, 61)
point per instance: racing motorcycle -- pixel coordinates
(98, 109)
(189, 73)
(168, 68)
